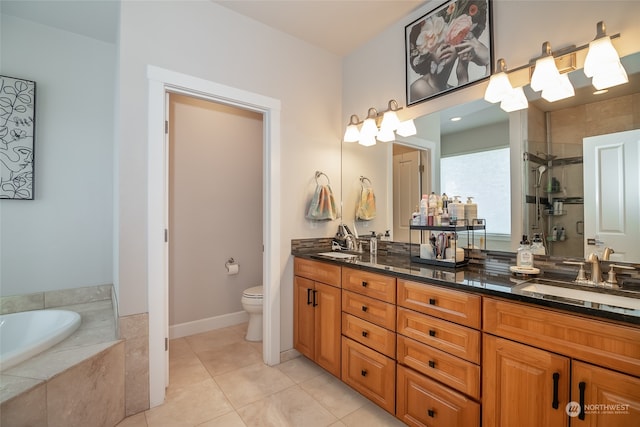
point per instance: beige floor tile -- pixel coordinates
(212, 340)
(138, 420)
(185, 371)
(189, 406)
(338, 424)
(251, 383)
(179, 348)
(334, 395)
(300, 369)
(230, 357)
(371, 416)
(290, 407)
(232, 419)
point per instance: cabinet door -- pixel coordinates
(523, 386)
(327, 300)
(606, 398)
(303, 318)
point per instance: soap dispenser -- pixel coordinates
(524, 259)
(470, 211)
(456, 210)
(373, 244)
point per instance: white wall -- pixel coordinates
(478, 139)
(208, 41)
(63, 238)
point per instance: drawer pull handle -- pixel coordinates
(432, 363)
(432, 301)
(582, 386)
(365, 333)
(364, 284)
(432, 333)
(363, 372)
(555, 404)
(431, 413)
(365, 308)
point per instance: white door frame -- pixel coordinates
(161, 81)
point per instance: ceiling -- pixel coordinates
(338, 26)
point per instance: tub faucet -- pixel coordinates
(596, 272)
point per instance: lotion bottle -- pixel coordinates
(524, 258)
(470, 211)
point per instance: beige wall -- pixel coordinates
(215, 207)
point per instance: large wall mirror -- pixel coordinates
(528, 171)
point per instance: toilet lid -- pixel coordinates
(255, 292)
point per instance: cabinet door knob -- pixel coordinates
(365, 333)
(432, 333)
(363, 372)
(364, 284)
(365, 308)
(431, 413)
(432, 301)
(432, 363)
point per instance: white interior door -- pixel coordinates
(612, 193)
(406, 191)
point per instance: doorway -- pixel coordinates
(161, 82)
(215, 212)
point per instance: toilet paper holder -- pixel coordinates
(229, 262)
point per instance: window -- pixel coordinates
(485, 176)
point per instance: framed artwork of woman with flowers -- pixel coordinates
(448, 48)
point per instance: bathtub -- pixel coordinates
(27, 333)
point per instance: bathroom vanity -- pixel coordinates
(443, 347)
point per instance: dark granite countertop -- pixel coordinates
(496, 280)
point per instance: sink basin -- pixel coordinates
(337, 255)
(551, 288)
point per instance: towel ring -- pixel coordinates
(319, 174)
(363, 179)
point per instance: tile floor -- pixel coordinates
(217, 379)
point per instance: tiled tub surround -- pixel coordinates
(86, 379)
(487, 272)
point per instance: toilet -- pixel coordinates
(252, 304)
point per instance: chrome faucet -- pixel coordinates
(351, 242)
(596, 272)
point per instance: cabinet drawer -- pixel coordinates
(424, 402)
(371, 335)
(375, 311)
(318, 271)
(370, 284)
(457, 373)
(370, 373)
(606, 344)
(446, 336)
(457, 306)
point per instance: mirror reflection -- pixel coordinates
(482, 154)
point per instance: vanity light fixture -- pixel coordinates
(547, 78)
(500, 90)
(369, 132)
(603, 62)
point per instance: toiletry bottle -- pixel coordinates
(415, 217)
(537, 246)
(562, 234)
(424, 209)
(455, 210)
(445, 202)
(373, 244)
(470, 211)
(524, 259)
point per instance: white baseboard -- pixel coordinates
(208, 324)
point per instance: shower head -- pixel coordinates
(541, 170)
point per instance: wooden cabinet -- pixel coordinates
(317, 318)
(369, 335)
(523, 386)
(438, 354)
(545, 379)
(423, 402)
(605, 398)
